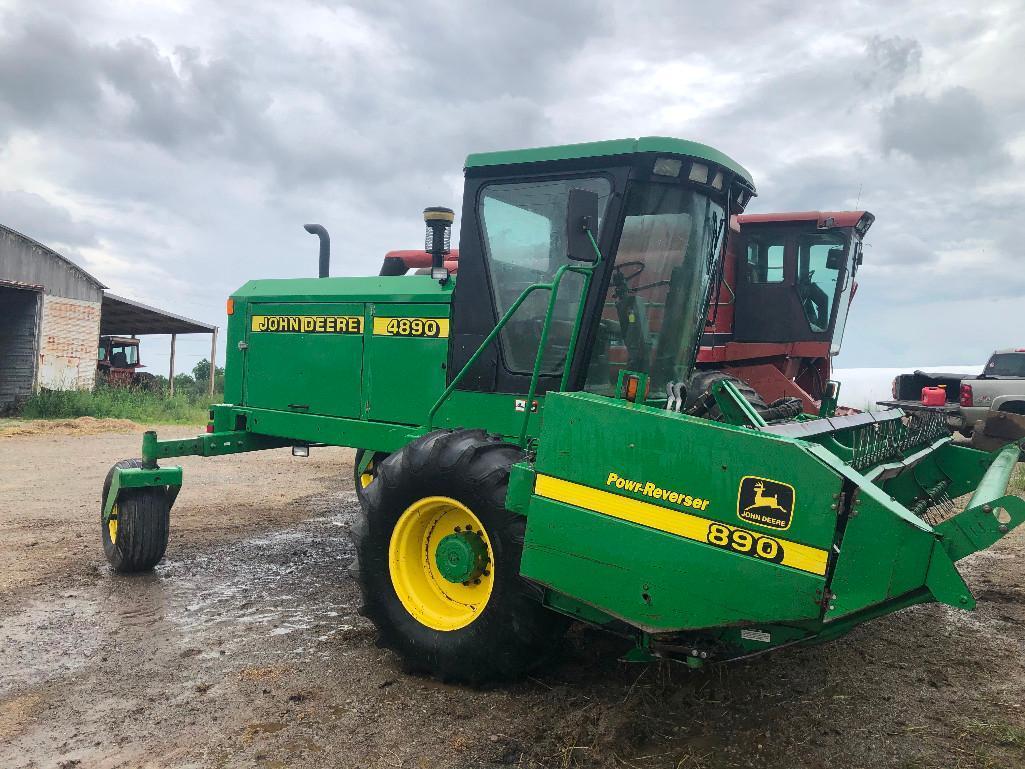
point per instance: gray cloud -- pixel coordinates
(33, 215)
(893, 59)
(954, 125)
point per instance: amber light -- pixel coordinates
(631, 388)
(630, 391)
(231, 306)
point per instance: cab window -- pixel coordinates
(523, 225)
(765, 259)
(124, 355)
(821, 270)
(1006, 364)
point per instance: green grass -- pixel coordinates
(117, 403)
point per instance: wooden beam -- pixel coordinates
(213, 358)
(170, 373)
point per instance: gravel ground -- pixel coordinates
(243, 649)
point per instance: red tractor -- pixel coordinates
(118, 364)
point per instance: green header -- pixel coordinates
(662, 144)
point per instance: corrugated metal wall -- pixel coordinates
(25, 260)
(68, 342)
(64, 349)
(19, 316)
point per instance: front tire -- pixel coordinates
(439, 558)
(135, 537)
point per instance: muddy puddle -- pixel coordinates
(291, 584)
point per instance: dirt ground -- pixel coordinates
(243, 649)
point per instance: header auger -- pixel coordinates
(536, 444)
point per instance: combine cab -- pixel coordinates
(527, 455)
(780, 311)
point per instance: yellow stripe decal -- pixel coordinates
(793, 554)
(430, 328)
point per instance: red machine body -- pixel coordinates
(780, 310)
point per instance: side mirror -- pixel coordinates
(583, 210)
(834, 259)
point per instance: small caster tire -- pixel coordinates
(135, 537)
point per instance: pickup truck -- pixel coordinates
(992, 402)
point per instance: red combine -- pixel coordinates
(787, 284)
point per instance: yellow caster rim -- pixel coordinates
(112, 525)
(441, 563)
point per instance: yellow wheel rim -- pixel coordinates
(431, 598)
(112, 525)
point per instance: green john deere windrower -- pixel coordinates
(533, 446)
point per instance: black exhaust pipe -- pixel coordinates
(325, 246)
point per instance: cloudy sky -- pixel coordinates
(174, 149)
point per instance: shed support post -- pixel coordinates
(170, 373)
(213, 358)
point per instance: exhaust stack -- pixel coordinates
(325, 246)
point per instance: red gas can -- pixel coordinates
(934, 396)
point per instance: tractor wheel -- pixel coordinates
(700, 387)
(135, 537)
(439, 560)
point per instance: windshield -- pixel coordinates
(657, 299)
(1006, 364)
(821, 270)
(124, 355)
(843, 302)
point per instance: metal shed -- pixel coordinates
(49, 319)
(52, 313)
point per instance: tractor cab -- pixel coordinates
(633, 299)
(118, 363)
(118, 354)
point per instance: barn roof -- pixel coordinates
(50, 252)
(126, 317)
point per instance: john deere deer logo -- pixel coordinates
(766, 502)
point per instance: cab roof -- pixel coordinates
(661, 144)
(821, 218)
